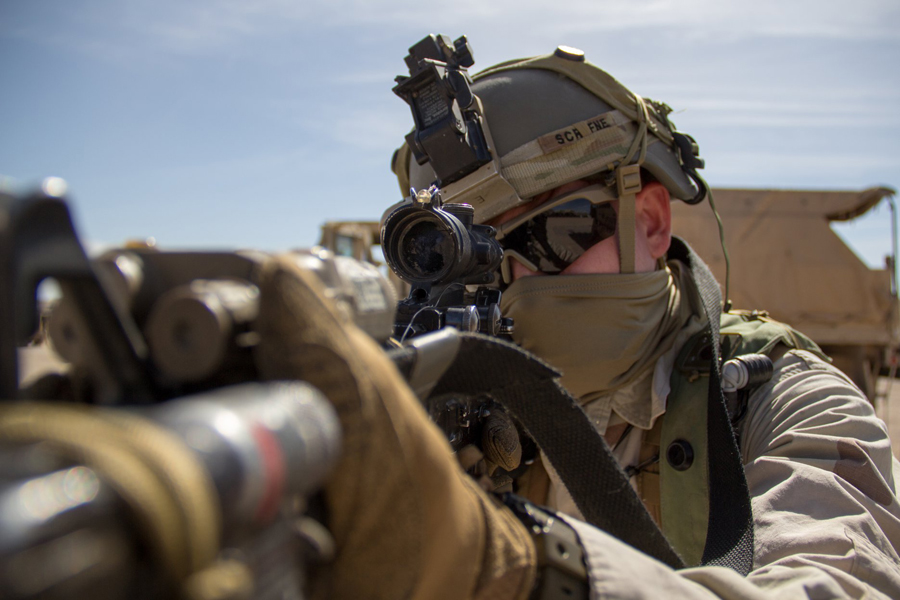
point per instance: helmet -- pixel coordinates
(558, 118)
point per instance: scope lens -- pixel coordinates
(423, 248)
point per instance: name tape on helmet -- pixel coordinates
(555, 140)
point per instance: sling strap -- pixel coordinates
(528, 388)
(729, 539)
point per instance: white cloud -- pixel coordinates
(368, 129)
(243, 168)
(363, 77)
(734, 113)
(766, 103)
(364, 131)
(828, 18)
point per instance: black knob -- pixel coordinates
(680, 455)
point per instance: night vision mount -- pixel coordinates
(450, 132)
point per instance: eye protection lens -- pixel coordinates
(556, 237)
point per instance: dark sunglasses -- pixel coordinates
(557, 236)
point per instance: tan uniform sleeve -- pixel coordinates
(827, 519)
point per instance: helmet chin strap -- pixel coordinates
(628, 182)
(628, 185)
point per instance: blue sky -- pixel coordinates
(247, 124)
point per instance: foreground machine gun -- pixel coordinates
(163, 468)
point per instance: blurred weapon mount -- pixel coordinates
(169, 336)
(451, 265)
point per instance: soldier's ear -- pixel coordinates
(654, 218)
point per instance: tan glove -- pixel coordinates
(407, 521)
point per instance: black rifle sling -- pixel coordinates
(729, 538)
(529, 390)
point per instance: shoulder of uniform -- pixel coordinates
(744, 332)
(756, 332)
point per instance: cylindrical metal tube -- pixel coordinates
(264, 444)
(426, 245)
(191, 329)
(463, 318)
(749, 370)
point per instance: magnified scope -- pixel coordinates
(427, 244)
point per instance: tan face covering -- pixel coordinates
(601, 331)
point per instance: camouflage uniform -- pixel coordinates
(821, 475)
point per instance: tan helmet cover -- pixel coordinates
(555, 119)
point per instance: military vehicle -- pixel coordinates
(785, 260)
(360, 240)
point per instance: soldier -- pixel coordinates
(599, 289)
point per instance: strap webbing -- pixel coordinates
(626, 233)
(729, 538)
(529, 389)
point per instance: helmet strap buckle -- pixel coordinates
(628, 185)
(628, 180)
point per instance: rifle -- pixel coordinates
(450, 262)
(443, 255)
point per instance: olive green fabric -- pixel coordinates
(823, 485)
(407, 521)
(601, 331)
(684, 494)
(647, 479)
(400, 168)
(754, 332)
(625, 234)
